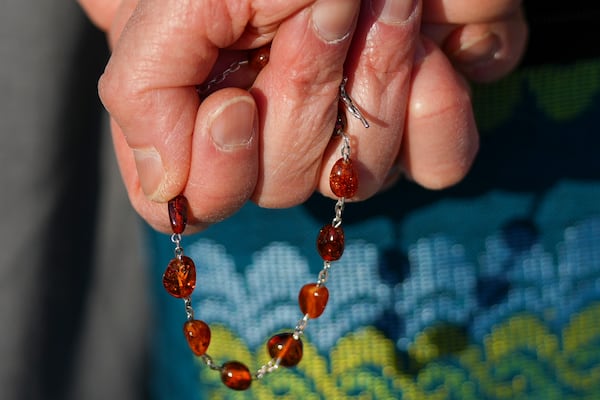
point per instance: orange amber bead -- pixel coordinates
(236, 375)
(259, 58)
(197, 334)
(286, 348)
(330, 242)
(178, 210)
(313, 299)
(179, 278)
(343, 179)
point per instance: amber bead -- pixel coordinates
(179, 278)
(286, 348)
(330, 242)
(236, 375)
(197, 334)
(259, 58)
(343, 178)
(313, 299)
(178, 210)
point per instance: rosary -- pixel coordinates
(179, 279)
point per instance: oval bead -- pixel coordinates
(259, 58)
(179, 278)
(286, 348)
(197, 334)
(343, 179)
(330, 242)
(236, 375)
(178, 211)
(313, 299)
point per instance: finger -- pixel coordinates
(224, 164)
(166, 49)
(467, 11)
(441, 138)
(100, 12)
(109, 15)
(488, 51)
(379, 72)
(297, 97)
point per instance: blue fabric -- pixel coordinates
(488, 290)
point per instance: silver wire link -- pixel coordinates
(350, 106)
(345, 146)
(339, 210)
(233, 67)
(269, 367)
(324, 274)
(176, 239)
(210, 363)
(301, 327)
(189, 309)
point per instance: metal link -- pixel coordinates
(176, 239)
(269, 367)
(189, 310)
(339, 209)
(345, 147)
(209, 362)
(324, 274)
(220, 78)
(350, 106)
(301, 327)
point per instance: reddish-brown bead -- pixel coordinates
(286, 348)
(343, 178)
(179, 278)
(259, 58)
(313, 299)
(178, 211)
(330, 242)
(236, 375)
(197, 334)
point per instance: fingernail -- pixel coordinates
(333, 19)
(393, 12)
(478, 50)
(233, 125)
(150, 170)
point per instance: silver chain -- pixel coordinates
(273, 364)
(220, 78)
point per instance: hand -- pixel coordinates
(273, 145)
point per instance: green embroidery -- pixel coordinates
(561, 92)
(521, 358)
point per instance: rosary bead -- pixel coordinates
(330, 242)
(313, 299)
(286, 348)
(236, 375)
(343, 178)
(259, 58)
(179, 278)
(197, 334)
(178, 210)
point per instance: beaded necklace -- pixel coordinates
(179, 279)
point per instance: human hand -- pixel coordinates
(279, 159)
